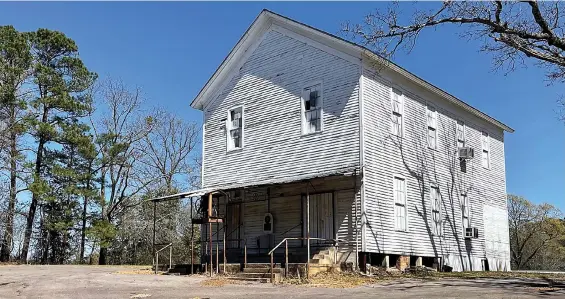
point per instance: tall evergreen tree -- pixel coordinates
(61, 80)
(15, 60)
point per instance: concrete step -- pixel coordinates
(257, 275)
(321, 261)
(262, 280)
(259, 265)
(262, 270)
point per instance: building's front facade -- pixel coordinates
(297, 120)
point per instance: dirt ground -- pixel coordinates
(132, 282)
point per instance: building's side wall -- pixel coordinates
(410, 157)
(286, 203)
(269, 87)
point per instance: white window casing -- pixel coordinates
(400, 212)
(312, 109)
(485, 144)
(437, 223)
(234, 128)
(397, 115)
(460, 134)
(431, 116)
(465, 212)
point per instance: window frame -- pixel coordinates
(405, 204)
(488, 149)
(465, 209)
(303, 121)
(436, 230)
(229, 141)
(464, 140)
(435, 127)
(401, 113)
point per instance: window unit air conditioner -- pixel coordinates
(471, 233)
(466, 153)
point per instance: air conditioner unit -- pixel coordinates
(466, 153)
(471, 233)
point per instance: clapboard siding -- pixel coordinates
(410, 157)
(269, 86)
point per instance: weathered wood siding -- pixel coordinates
(386, 155)
(269, 86)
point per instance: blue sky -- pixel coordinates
(171, 49)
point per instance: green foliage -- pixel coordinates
(103, 232)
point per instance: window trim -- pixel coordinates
(406, 220)
(303, 109)
(465, 199)
(488, 150)
(229, 147)
(428, 106)
(440, 212)
(457, 121)
(402, 111)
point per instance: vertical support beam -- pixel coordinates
(245, 254)
(210, 229)
(307, 231)
(286, 258)
(156, 262)
(191, 239)
(217, 258)
(155, 258)
(224, 249)
(170, 257)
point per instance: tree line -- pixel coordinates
(79, 157)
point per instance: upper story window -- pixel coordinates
(460, 134)
(485, 144)
(312, 109)
(397, 105)
(431, 115)
(400, 203)
(435, 198)
(465, 212)
(235, 128)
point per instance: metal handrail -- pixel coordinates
(286, 239)
(170, 246)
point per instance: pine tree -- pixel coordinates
(61, 80)
(15, 60)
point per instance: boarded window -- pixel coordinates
(431, 114)
(435, 198)
(235, 128)
(312, 109)
(485, 143)
(400, 203)
(397, 105)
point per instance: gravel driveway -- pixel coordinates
(108, 282)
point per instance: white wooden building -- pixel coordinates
(294, 112)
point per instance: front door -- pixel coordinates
(233, 229)
(321, 218)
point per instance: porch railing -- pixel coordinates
(170, 246)
(285, 241)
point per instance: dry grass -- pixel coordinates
(217, 282)
(142, 271)
(351, 280)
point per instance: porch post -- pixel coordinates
(191, 240)
(307, 231)
(154, 221)
(210, 228)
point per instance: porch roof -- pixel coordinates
(350, 170)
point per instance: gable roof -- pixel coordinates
(267, 18)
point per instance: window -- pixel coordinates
(431, 114)
(485, 143)
(235, 128)
(435, 198)
(465, 212)
(397, 104)
(460, 134)
(400, 203)
(312, 109)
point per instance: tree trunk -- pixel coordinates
(9, 233)
(34, 197)
(83, 226)
(103, 253)
(103, 249)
